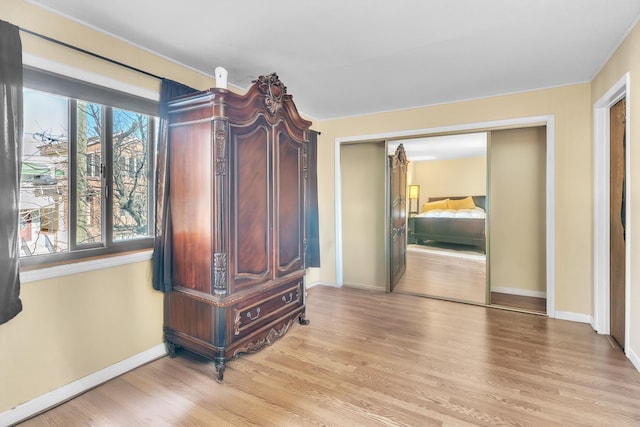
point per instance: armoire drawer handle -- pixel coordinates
(257, 314)
(284, 298)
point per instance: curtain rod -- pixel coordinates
(86, 52)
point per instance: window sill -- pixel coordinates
(35, 273)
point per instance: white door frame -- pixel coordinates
(548, 121)
(601, 172)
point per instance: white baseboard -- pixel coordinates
(634, 359)
(363, 286)
(574, 317)
(318, 283)
(521, 292)
(69, 391)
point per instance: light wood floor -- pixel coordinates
(538, 305)
(370, 359)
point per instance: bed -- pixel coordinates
(451, 220)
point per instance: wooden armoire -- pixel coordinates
(237, 173)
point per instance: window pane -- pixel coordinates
(44, 181)
(102, 205)
(130, 175)
(89, 179)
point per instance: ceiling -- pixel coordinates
(443, 147)
(352, 57)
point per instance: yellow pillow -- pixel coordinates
(438, 204)
(466, 203)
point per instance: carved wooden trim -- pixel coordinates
(269, 339)
(305, 161)
(220, 272)
(220, 137)
(236, 322)
(399, 159)
(274, 92)
(395, 232)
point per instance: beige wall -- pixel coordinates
(517, 210)
(571, 107)
(452, 177)
(363, 201)
(626, 59)
(75, 325)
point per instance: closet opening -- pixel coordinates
(545, 259)
(478, 235)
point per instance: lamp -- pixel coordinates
(414, 194)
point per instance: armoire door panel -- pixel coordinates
(251, 206)
(289, 204)
(190, 153)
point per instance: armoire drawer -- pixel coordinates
(255, 312)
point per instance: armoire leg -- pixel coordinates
(171, 348)
(220, 367)
(303, 320)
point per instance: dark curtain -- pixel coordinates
(10, 162)
(162, 242)
(313, 236)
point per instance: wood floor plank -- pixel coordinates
(519, 301)
(370, 359)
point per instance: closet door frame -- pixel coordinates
(546, 120)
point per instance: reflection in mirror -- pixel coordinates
(446, 252)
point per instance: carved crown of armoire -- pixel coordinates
(237, 172)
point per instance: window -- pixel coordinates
(86, 184)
